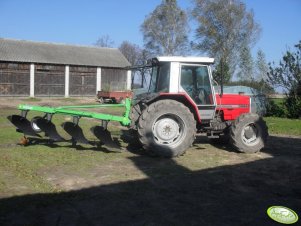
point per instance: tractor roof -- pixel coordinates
(206, 60)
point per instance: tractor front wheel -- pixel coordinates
(249, 133)
(166, 128)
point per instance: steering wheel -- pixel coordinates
(202, 96)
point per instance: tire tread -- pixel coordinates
(165, 106)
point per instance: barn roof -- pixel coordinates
(50, 53)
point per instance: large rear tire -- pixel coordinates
(166, 128)
(249, 133)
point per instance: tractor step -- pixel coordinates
(213, 136)
(23, 125)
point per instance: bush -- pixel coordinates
(287, 75)
(293, 106)
(276, 109)
(290, 107)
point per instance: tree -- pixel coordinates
(136, 56)
(165, 30)
(246, 65)
(222, 69)
(132, 52)
(287, 75)
(262, 67)
(261, 70)
(225, 27)
(105, 41)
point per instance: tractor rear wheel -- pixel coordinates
(166, 128)
(249, 133)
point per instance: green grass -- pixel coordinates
(284, 126)
(25, 170)
(54, 170)
(22, 169)
(277, 101)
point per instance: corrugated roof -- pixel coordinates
(50, 53)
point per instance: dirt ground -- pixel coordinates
(209, 185)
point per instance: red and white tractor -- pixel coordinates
(181, 101)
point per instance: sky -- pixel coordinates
(83, 22)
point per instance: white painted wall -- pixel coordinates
(98, 80)
(67, 81)
(31, 87)
(129, 80)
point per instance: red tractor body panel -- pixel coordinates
(233, 105)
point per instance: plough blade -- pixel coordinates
(105, 136)
(49, 128)
(23, 125)
(75, 132)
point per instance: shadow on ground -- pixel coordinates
(227, 195)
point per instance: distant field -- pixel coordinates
(277, 100)
(284, 126)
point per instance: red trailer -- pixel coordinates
(113, 96)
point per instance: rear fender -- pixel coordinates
(182, 98)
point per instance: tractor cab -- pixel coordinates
(189, 80)
(183, 74)
(187, 76)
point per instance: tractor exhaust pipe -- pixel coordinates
(222, 78)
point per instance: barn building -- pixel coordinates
(45, 69)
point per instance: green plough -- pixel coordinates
(44, 123)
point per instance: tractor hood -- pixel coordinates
(233, 105)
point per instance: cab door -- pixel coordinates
(197, 83)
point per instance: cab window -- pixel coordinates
(160, 78)
(196, 82)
